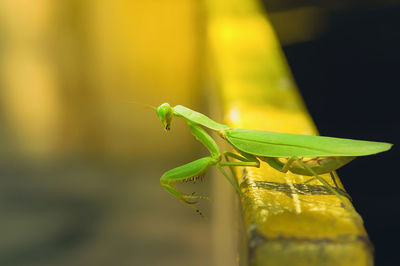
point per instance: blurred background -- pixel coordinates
(80, 163)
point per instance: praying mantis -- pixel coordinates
(308, 155)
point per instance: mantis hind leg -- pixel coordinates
(332, 176)
(327, 185)
(337, 188)
(293, 159)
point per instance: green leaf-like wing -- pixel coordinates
(273, 144)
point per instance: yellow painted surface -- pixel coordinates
(286, 224)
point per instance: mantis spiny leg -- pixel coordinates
(327, 185)
(193, 170)
(293, 159)
(246, 160)
(188, 172)
(332, 176)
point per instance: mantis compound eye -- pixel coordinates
(165, 113)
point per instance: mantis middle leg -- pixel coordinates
(245, 160)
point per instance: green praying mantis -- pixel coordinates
(308, 155)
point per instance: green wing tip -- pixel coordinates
(383, 146)
(389, 146)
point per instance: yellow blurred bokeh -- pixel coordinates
(71, 70)
(80, 163)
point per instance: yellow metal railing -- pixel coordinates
(287, 223)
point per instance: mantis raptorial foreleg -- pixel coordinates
(193, 170)
(187, 172)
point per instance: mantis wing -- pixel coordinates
(198, 118)
(273, 144)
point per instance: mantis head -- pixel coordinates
(165, 113)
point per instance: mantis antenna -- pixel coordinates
(142, 104)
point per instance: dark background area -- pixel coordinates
(348, 77)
